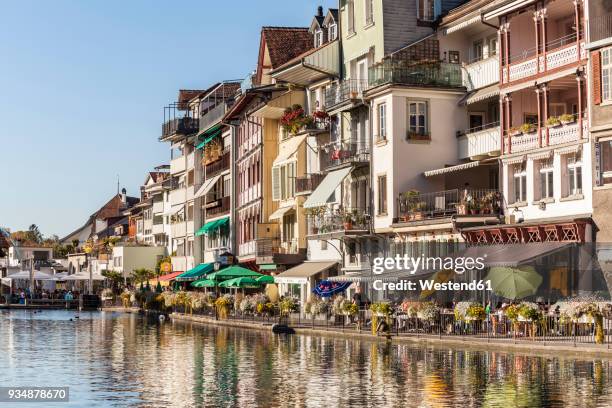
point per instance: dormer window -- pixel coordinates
(318, 38)
(332, 31)
(425, 10)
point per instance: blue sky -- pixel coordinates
(83, 85)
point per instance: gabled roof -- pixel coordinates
(283, 44)
(186, 95)
(332, 15)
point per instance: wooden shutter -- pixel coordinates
(276, 189)
(596, 74)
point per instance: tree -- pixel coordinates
(34, 234)
(115, 277)
(141, 275)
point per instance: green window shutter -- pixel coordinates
(276, 188)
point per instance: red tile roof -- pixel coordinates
(285, 43)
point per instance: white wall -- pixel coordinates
(404, 161)
(136, 257)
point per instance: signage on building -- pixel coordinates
(165, 267)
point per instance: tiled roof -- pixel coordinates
(299, 58)
(286, 43)
(185, 95)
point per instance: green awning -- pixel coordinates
(212, 225)
(268, 267)
(208, 140)
(233, 271)
(265, 279)
(196, 273)
(210, 131)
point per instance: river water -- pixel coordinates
(121, 360)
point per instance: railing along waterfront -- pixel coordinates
(549, 329)
(416, 206)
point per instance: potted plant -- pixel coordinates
(348, 221)
(515, 131)
(294, 119)
(552, 122)
(567, 118)
(528, 128)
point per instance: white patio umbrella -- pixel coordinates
(25, 275)
(83, 276)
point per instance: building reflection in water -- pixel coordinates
(111, 359)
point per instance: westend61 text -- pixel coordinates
(429, 284)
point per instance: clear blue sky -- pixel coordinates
(83, 85)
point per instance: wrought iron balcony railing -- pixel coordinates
(219, 165)
(339, 153)
(345, 91)
(415, 206)
(308, 183)
(217, 205)
(179, 126)
(343, 219)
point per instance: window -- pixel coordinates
(332, 31)
(546, 179)
(283, 181)
(417, 114)
(606, 74)
(382, 121)
(382, 195)
(492, 46)
(477, 51)
(288, 227)
(369, 12)
(318, 38)
(453, 57)
(520, 183)
(574, 174)
(425, 10)
(350, 7)
(604, 150)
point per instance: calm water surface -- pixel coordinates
(116, 360)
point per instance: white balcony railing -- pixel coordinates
(178, 229)
(481, 143)
(556, 136)
(178, 196)
(190, 160)
(246, 248)
(177, 165)
(157, 229)
(481, 73)
(158, 207)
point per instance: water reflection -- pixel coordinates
(122, 360)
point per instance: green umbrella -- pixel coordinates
(514, 283)
(204, 283)
(243, 282)
(265, 279)
(234, 271)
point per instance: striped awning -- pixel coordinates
(212, 226)
(463, 24)
(208, 139)
(452, 169)
(327, 187)
(481, 95)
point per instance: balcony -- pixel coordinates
(339, 222)
(275, 251)
(216, 206)
(157, 229)
(478, 143)
(246, 249)
(215, 103)
(518, 142)
(560, 52)
(158, 207)
(349, 92)
(179, 126)
(178, 196)
(307, 184)
(414, 206)
(341, 153)
(443, 75)
(221, 164)
(213, 116)
(481, 73)
(178, 229)
(190, 161)
(600, 26)
(178, 165)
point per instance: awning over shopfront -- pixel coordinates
(278, 214)
(165, 280)
(288, 148)
(302, 272)
(207, 186)
(196, 273)
(212, 225)
(327, 187)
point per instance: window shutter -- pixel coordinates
(276, 190)
(596, 74)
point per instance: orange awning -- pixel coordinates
(169, 276)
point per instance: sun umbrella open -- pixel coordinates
(204, 283)
(514, 283)
(265, 279)
(234, 271)
(243, 282)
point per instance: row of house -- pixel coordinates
(391, 127)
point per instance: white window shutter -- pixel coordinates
(276, 188)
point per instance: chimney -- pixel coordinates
(124, 196)
(320, 11)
